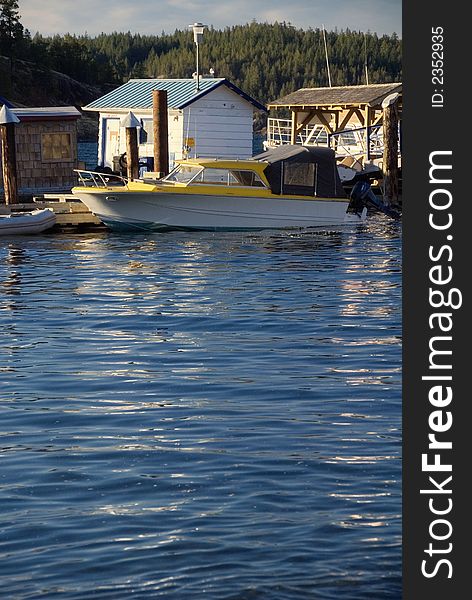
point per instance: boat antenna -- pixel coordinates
(326, 54)
(365, 60)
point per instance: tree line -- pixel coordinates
(265, 60)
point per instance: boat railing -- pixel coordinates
(279, 132)
(99, 180)
(355, 142)
(359, 141)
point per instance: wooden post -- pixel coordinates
(390, 153)
(132, 153)
(367, 119)
(161, 132)
(293, 131)
(131, 123)
(8, 119)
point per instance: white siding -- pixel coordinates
(218, 125)
(175, 121)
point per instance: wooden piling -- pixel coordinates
(132, 155)
(161, 132)
(130, 122)
(390, 153)
(8, 119)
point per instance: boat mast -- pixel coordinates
(365, 60)
(326, 54)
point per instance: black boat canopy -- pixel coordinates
(302, 171)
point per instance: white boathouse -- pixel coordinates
(214, 121)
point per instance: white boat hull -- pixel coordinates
(28, 223)
(162, 210)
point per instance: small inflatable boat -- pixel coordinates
(25, 223)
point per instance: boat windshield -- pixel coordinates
(197, 174)
(183, 174)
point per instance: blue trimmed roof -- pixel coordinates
(137, 93)
(5, 102)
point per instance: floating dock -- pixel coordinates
(71, 214)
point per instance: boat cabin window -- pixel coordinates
(210, 176)
(213, 176)
(299, 178)
(236, 178)
(183, 174)
(245, 178)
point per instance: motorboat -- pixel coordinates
(283, 188)
(25, 223)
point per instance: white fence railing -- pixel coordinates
(354, 142)
(279, 132)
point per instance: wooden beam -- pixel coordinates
(305, 122)
(324, 122)
(336, 121)
(345, 120)
(378, 120)
(360, 115)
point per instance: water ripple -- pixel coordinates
(201, 415)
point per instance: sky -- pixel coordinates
(154, 16)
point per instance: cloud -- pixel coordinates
(154, 16)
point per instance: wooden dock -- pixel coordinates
(71, 214)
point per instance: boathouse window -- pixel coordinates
(56, 147)
(146, 133)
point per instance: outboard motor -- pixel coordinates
(362, 195)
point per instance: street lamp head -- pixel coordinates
(198, 29)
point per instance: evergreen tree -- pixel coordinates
(11, 29)
(265, 60)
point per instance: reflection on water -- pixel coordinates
(212, 415)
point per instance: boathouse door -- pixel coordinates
(112, 141)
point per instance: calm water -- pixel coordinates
(201, 415)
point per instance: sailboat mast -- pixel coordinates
(326, 54)
(365, 60)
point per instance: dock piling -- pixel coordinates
(131, 123)
(161, 132)
(8, 120)
(390, 153)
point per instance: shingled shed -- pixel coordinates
(336, 108)
(46, 149)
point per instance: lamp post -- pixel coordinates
(198, 29)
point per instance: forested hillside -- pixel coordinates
(266, 60)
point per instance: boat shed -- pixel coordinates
(330, 110)
(46, 149)
(214, 121)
